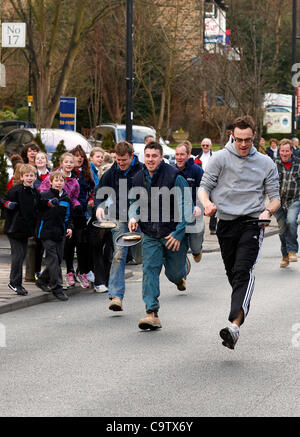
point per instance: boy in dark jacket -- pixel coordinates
(53, 224)
(20, 204)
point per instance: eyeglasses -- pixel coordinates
(241, 141)
(205, 145)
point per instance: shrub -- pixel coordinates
(108, 142)
(22, 113)
(7, 115)
(39, 142)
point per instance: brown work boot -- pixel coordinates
(150, 321)
(116, 304)
(197, 258)
(293, 257)
(284, 262)
(181, 286)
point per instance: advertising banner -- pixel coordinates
(67, 113)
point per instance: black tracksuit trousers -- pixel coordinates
(240, 245)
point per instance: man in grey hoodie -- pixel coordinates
(236, 182)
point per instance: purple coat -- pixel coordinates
(71, 187)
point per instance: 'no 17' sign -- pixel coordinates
(13, 34)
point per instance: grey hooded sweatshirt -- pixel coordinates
(238, 185)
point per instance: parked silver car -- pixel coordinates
(118, 133)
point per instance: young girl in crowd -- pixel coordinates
(96, 160)
(14, 159)
(100, 241)
(83, 175)
(67, 164)
(43, 168)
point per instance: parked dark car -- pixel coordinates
(7, 126)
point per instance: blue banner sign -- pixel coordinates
(67, 113)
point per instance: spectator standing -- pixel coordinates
(106, 164)
(202, 160)
(82, 172)
(99, 240)
(288, 166)
(20, 203)
(112, 153)
(53, 225)
(261, 146)
(15, 159)
(28, 153)
(296, 150)
(96, 160)
(72, 188)
(272, 150)
(67, 164)
(43, 168)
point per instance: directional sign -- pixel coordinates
(13, 34)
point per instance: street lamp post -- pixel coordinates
(129, 71)
(294, 41)
(29, 70)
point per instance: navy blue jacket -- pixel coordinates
(111, 178)
(270, 153)
(53, 221)
(20, 222)
(193, 174)
(165, 176)
(86, 191)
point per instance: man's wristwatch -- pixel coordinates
(269, 211)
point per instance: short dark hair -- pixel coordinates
(123, 147)
(274, 140)
(25, 149)
(244, 122)
(156, 146)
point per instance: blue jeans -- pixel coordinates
(196, 238)
(288, 228)
(155, 255)
(116, 283)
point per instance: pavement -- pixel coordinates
(10, 301)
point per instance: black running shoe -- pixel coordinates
(42, 285)
(59, 294)
(230, 336)
(18, 289)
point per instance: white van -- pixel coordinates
(118, 133)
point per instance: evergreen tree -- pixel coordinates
(60, 149)
(108, 142)
(39, 142)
